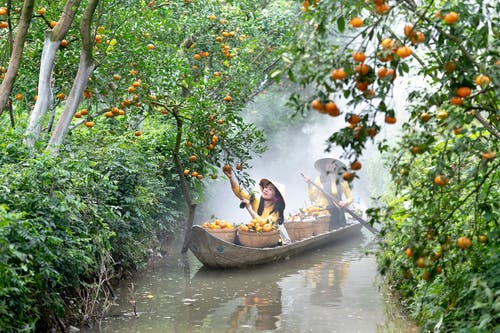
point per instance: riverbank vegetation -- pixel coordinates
(429, 72)
(116, 116)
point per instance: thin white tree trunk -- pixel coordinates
(45, 97)
(82, 77)
(85, 69)
(51, 44)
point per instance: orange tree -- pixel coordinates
(439, 239)
(153, 91)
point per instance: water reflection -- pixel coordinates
(328, 290)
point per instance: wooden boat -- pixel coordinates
(214, 252)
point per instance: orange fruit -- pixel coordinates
(439, 270)
(196, 56)
(137, 133)
(359, 56)
(404, 51)
(483, 238)
(226, 168)
(488, 155)
(64, 43)
(239, 167)
(60, 95)
(267, 227)
(348, 176)
(464, 242)
(408, 30)
(409, 252)
(363, 69)
(391, 73)
(3, 11)
(150, 46)
(387, 43)
(390, 120)
(214, 176)
(188, 143)
(186, 172)
(362, 86)
(228, 98)
(108, 114)
(89, 123)
(451, 17)
(353, 119)
(356, 165)
(482, 81)
(441, 180)
(420, 38)
(317, 105)
(381, 73)
(356, 22)
(371, 131)
(136, 84)
(454, 100)
(441, 115)
(19, 97)
(425, 117)
(52, 24)
(425, 276)
(194, 174)
(450, 67)
(98, 39)
(84, 112)
(463, 92)
(116, 77)
(338, 74)
(421, 262)
(78, 115)
(382, 9)
(332, 109)
(200, 177)
(192, 158)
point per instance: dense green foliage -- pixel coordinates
(157, 118)
(439, 241)
(67, 219)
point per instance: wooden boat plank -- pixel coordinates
(216, 253)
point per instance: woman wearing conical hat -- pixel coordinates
(330, 180)
(270, 205)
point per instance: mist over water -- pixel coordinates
(291, 151)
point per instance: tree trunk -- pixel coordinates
(51, 44)
(85, 69)
(17, 53)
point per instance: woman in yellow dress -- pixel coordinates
(330, 180)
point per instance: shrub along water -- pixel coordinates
(67, 223)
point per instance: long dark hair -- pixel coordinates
(279, 207)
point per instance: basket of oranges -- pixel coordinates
(221, 229)
(298, 228)
(258, 233)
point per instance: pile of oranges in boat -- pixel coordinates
(258, 225)
(218, 224)
(314, 211)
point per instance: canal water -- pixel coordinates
(333, 289)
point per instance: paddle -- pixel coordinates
(349, 211)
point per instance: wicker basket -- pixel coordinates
(299, 230)
(228, 235)
(323, 218)
(321, 226)
(258, 239)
